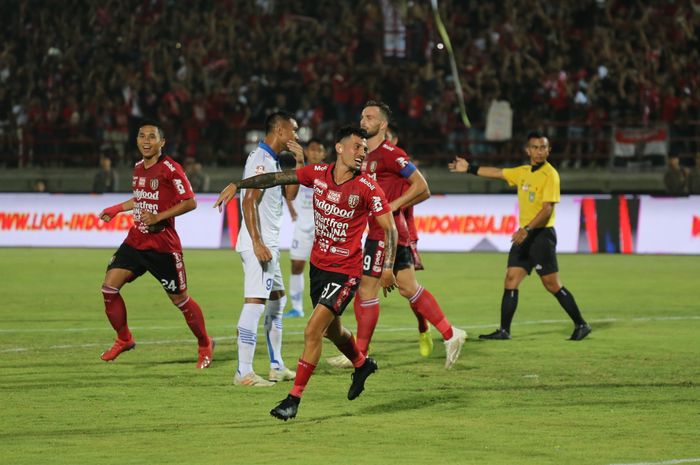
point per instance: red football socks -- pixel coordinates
(304, 372)
(367, 315)
(116, 312)
(195, 320)
(425, 304)
(350, 350)
(422, 322)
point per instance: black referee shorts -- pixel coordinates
(538, 251)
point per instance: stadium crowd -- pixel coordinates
(76, 78)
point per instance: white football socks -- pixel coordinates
(248, 336)
(296, 291)
(273, 331)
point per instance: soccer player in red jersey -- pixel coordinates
(392, 168)
(425, 340)
(161, 192)
(343, 199)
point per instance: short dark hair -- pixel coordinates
(347, 131)
(383, 108)
(273, 119)
(155, 124)
(315, 140)
(535, 135)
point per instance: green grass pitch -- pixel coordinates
(627, 394)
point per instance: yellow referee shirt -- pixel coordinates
(534, 188)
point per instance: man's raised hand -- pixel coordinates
(225, 197)
(459, 165)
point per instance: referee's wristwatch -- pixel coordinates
(527, 229)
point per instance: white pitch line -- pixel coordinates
(300, 327)
(665, 462)
(666, 318)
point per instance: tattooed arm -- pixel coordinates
(387, 279)
(261, 181)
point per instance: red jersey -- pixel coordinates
(340, 217)
(156, 189)
(390, 166)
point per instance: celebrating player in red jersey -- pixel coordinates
(161, 192)
(392, 168)
(343, 199)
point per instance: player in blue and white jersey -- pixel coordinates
(258, 245)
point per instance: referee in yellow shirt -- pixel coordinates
(534, 244)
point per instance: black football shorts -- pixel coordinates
(373, 258)
(333, 290)
(167, 267)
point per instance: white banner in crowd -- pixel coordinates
(56, 220)
(669, 225)
(628, 142)
(499, 121)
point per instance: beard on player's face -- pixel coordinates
(371, 132)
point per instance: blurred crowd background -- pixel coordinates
(78, 77)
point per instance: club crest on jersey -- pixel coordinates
(260, 169)
(154, 184)
(333, 196)
(372, 166)
(353, 200)
(142, 182)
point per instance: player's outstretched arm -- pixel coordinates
(261, 181)
(109, 213)
(387, 280)
(461, 165)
